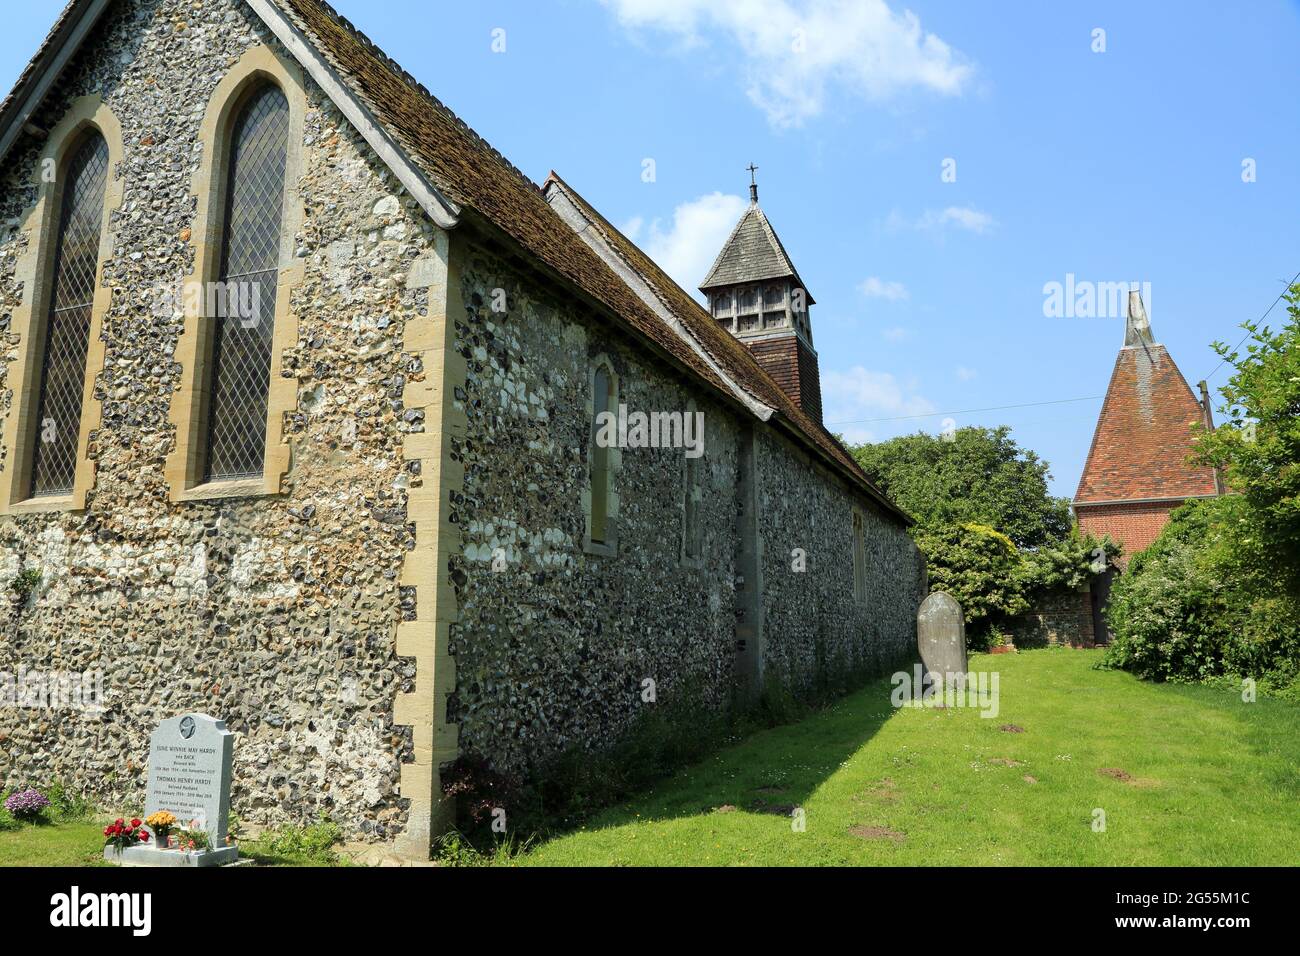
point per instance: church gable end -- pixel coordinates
(279, 610)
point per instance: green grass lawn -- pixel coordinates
(54, 844)
(81, 843)
(1185, 775)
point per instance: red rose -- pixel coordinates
(108, 831)
(144, 837)
(119, 821)
(135, 823)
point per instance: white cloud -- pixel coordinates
(895, 333)
(939, 222)
(686, 248)
(965, 374)
(859, 393)
(791, 52)
(873, 287)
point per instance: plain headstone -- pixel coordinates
(941, 634)
(189, 773)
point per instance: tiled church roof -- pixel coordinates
(1144, 433)
(752, 252)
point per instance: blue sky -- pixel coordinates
(1113, 166)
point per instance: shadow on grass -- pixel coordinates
(769, 771)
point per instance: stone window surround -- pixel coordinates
(696, 492)
(608, 547)
(259, 65)
(858, 543)
(35, 271)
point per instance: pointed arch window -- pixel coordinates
(67, 327)
(604, 400)
(600, 499)
(859, 559)
(245, 291)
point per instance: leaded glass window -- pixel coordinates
(67, 331)
(246, 290)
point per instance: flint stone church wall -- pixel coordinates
(276, 614)
(815, 633)
(552, 652)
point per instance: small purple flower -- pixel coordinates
(26, 804)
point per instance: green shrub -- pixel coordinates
(65, 806)
(7, 821)
(981, 568)
(1201, 604)
(312, 844)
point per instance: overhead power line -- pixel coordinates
(1286, 288)
(966, 411)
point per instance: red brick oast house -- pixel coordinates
(1138, 470)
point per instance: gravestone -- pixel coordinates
(189, 776)
(941, 634)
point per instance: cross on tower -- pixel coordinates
(753, 183)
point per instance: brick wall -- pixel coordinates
(1133, 524)
(794, 367)
(1060, 617)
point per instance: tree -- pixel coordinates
(992, 536)
(1258, 442)
(978, 566)
(979, 477)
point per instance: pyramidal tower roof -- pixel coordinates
(1144, 433)
(752, 253)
